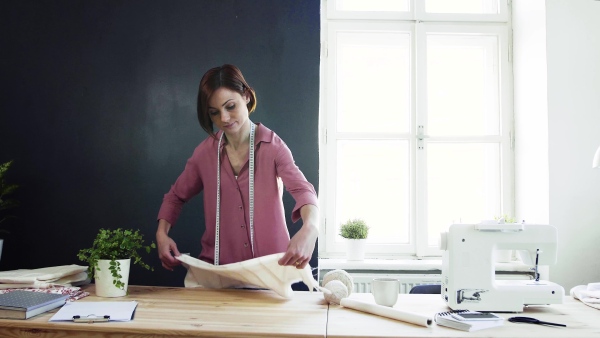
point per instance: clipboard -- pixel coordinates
(95, 312)
(91, 319)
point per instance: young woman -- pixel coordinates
(240, 163)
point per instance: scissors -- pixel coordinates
(530, 320)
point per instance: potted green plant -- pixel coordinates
(109, 259)
(6, 201)
(355, 231)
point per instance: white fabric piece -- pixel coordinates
(587, 294)
(261, 272)
(48, 274)
(42, 277)
(75, 279)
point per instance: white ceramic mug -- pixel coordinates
(385, 291)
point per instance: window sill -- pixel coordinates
(406, 265)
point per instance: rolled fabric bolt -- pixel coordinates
(385, 311)
(337, 291)
(342, 276)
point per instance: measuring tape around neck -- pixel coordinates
(250, 192)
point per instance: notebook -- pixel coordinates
(26, 304)
(448, 319)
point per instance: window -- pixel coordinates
(416, 120)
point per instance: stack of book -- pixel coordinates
(26, 304)
(468, 320)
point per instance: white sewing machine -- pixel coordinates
(468, 268)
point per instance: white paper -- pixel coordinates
(385, 311)
(118, 311)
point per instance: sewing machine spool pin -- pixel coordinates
(537, 258)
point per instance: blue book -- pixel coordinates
(26, 304)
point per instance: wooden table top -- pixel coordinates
(196, 312)
(192, 312)
(581, 320)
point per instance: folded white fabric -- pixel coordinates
(261, 272)
(43, 277)
(588, 294)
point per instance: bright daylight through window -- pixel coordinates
(416, 120)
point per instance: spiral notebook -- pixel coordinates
(447, 319)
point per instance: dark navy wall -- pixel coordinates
(98, 103)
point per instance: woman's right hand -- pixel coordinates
(167, 249)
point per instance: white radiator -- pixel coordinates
(362, 281)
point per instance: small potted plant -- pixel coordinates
(355, 231)
(109, 259)
(6, 202)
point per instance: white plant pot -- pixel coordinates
(355, 249)
(104, 279)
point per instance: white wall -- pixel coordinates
(573, 105)
(573, 45)
(531, 111)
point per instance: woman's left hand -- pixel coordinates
(302, 244)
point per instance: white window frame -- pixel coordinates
(416, 12)
(505, 136)
(419, 24)
(384, 250)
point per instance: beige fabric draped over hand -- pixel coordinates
(262, 272)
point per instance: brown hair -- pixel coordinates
(228, 76)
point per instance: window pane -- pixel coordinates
(462, 85)
(373, 81)
(373, 184)
(372, 5)
(462, 6)
(463, 185)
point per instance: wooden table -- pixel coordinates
(581, 320)
(181, 312)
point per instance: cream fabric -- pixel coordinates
(43, 277)
(588, 294)
(261, 272)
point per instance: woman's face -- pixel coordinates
(227, 110)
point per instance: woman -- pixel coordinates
(221, 166)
